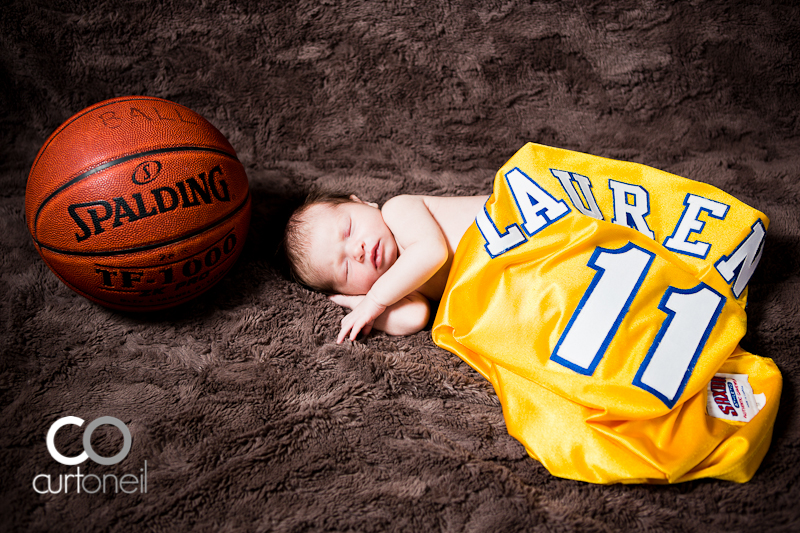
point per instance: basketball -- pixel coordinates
(138, 203)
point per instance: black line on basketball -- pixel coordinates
(149, 246)
(94, 108)
(118, 161)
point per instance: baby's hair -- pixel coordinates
(296, 243)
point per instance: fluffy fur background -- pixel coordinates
(248, 414)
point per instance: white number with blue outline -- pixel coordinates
(670, 360)
(619, 275)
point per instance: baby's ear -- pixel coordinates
(359, 200)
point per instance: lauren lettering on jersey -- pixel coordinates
(539, 209)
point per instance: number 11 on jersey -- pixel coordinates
(690, 316)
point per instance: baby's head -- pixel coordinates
(338, 244)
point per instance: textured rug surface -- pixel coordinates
(248, 415)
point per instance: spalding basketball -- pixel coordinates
(138, 203)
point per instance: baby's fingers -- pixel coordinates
(339, 299)
(349, 326)
(353, 325)
(357, 327)
(342, 334)
(354, 332)
(361, 326)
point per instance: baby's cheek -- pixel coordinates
(368, 281)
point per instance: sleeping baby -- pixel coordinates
(383, 264)
(603, 300)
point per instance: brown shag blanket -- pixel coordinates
(248, 415)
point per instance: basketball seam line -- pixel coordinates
(95, 107)
(119, 161)
(149, 246)
(183, 259)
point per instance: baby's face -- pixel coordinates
(350, 245)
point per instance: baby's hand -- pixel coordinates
(346, 300)
(360, 319)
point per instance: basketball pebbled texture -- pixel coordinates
(138, 203)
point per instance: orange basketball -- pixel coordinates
(138, 203)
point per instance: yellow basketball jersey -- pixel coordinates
(600, 298)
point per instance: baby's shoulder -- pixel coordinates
(443, 209)
(402, 200)
(407, 204)
(403, 206)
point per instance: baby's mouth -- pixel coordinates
(375, 255)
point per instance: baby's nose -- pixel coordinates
(358, 252)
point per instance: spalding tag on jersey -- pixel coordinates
(601, 298)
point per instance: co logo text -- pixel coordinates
(88, 452)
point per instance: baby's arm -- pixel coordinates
(424, 252)
(405, 317)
